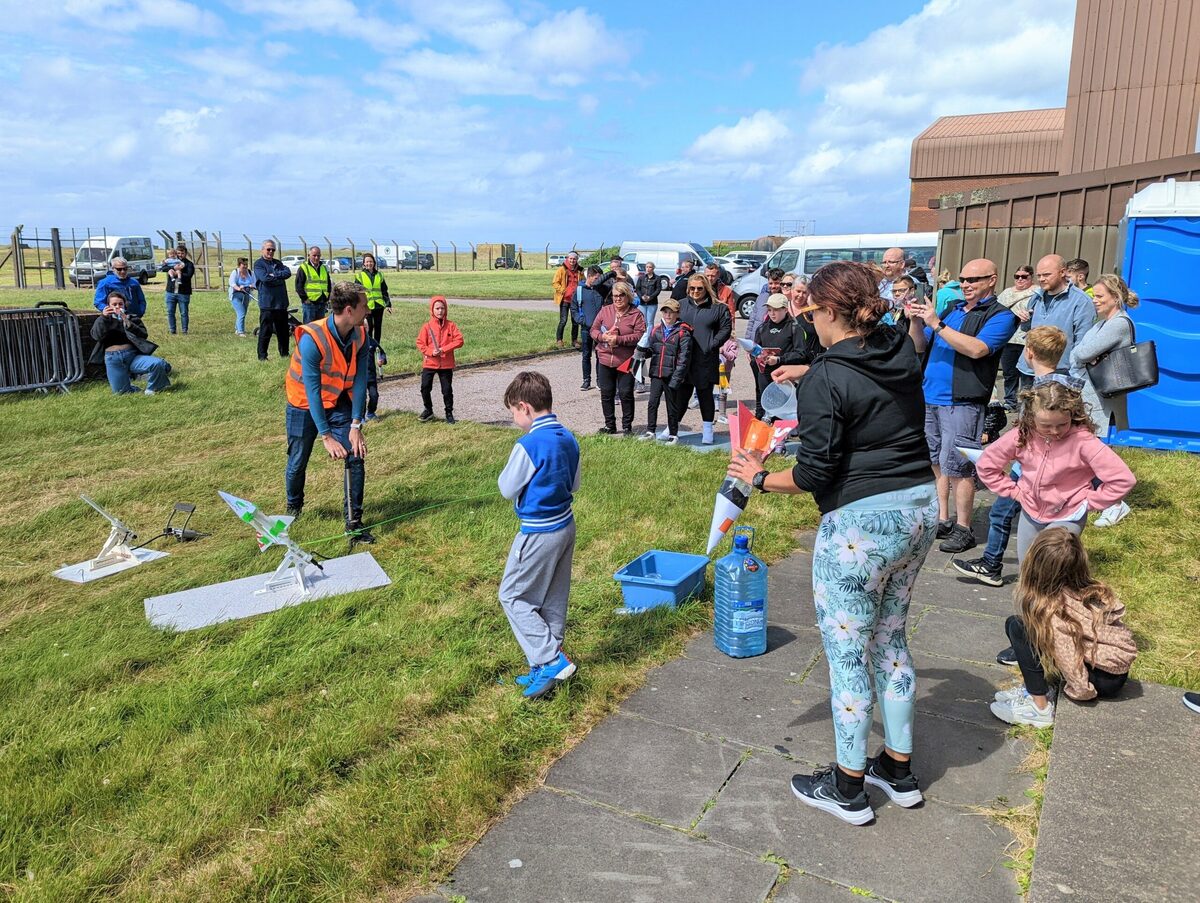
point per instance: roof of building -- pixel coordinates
(1020, 142)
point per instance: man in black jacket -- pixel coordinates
(122, 343)
(270, 277)
(179, 272)
(686, 268)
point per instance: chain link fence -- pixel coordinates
(55, 258)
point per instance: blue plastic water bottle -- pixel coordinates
(740, 606)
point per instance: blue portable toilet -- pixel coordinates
(1160, 246)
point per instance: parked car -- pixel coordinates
(93, 259)
(556, 260)
(411, 261)
(339, 265)
(380, 263)
(507, 263)
(293, 261)
(735, 265)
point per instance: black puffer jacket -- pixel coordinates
(796, 344)
(711, 328)
(669, 356)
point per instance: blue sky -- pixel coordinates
(498, 120)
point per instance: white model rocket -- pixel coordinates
(273, 531)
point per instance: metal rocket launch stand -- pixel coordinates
(291, 583)
(116, 555)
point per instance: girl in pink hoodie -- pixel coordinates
(1061, 461)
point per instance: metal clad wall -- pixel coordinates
(1013, 143)
(1076, 216)
(1133, 92)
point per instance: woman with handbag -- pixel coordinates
(1112, 330)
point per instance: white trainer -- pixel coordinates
(1112, 515)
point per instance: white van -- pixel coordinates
(808, 253)
(391, 255)
(665, 255)
(93, 258)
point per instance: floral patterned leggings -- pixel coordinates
(865, 563)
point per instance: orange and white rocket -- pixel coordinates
(749, 434)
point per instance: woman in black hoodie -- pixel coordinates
(863, 457)
(710, 327)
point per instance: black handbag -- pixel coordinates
(1125, 369)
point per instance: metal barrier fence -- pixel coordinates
(40, 348)
(54, 258)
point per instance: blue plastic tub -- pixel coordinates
(661, 578)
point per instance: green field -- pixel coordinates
(350, 748)
(464, 282)
(339, 750)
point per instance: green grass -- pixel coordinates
(353, 747)
(344, 749)
(483, 282)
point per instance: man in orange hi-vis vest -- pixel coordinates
(326, 394)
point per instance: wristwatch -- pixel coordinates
(356, 426)
(759, 479)
(941, 325)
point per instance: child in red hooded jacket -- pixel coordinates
(436, 341)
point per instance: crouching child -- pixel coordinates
(1070, 628)
(670, 345)
(540, 478)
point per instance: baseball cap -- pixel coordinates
(777, 301)
(669, 304)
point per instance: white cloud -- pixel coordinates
(758, 135)
(507, 56)
(184, 131)
(331, 17)
(162, 15)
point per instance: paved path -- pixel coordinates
(683, 794)
(477, 395)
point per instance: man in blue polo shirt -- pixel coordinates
(1056, 302)
(960, 373)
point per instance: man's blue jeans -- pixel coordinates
(301, 434)
(310, 312)
(122, 365)
(1000, 521)
(174, 300)
(587, 349)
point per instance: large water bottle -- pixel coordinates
(740, 607)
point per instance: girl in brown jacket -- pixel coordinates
(616, 330)
(1070, 626)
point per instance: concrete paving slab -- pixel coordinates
(946, 686)
(934, 853)
(801, 888)
(647, 768)
(958, 634)
(756, 708)
(553, 847)
(950, 589)
(1121, 812)
(790, 650)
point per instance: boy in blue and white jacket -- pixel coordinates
(540, 478)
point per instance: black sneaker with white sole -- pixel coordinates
(1192, 701)
(943, 528)
(980, 569)
(820, 791)
(959, 539)
(1007, 657)
(901, 791)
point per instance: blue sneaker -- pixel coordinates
(545, 678)
(522, 680)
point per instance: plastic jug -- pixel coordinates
(740, 599)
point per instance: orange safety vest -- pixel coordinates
(337, 374)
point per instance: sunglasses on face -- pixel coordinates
(973, 279)
(807, 311)
(1022, 275)
(788, 284)
(119, 269)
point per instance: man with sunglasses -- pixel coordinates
(962, 352)
(119, 280)
(1056, 302)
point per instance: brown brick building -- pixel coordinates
(1133, 97)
